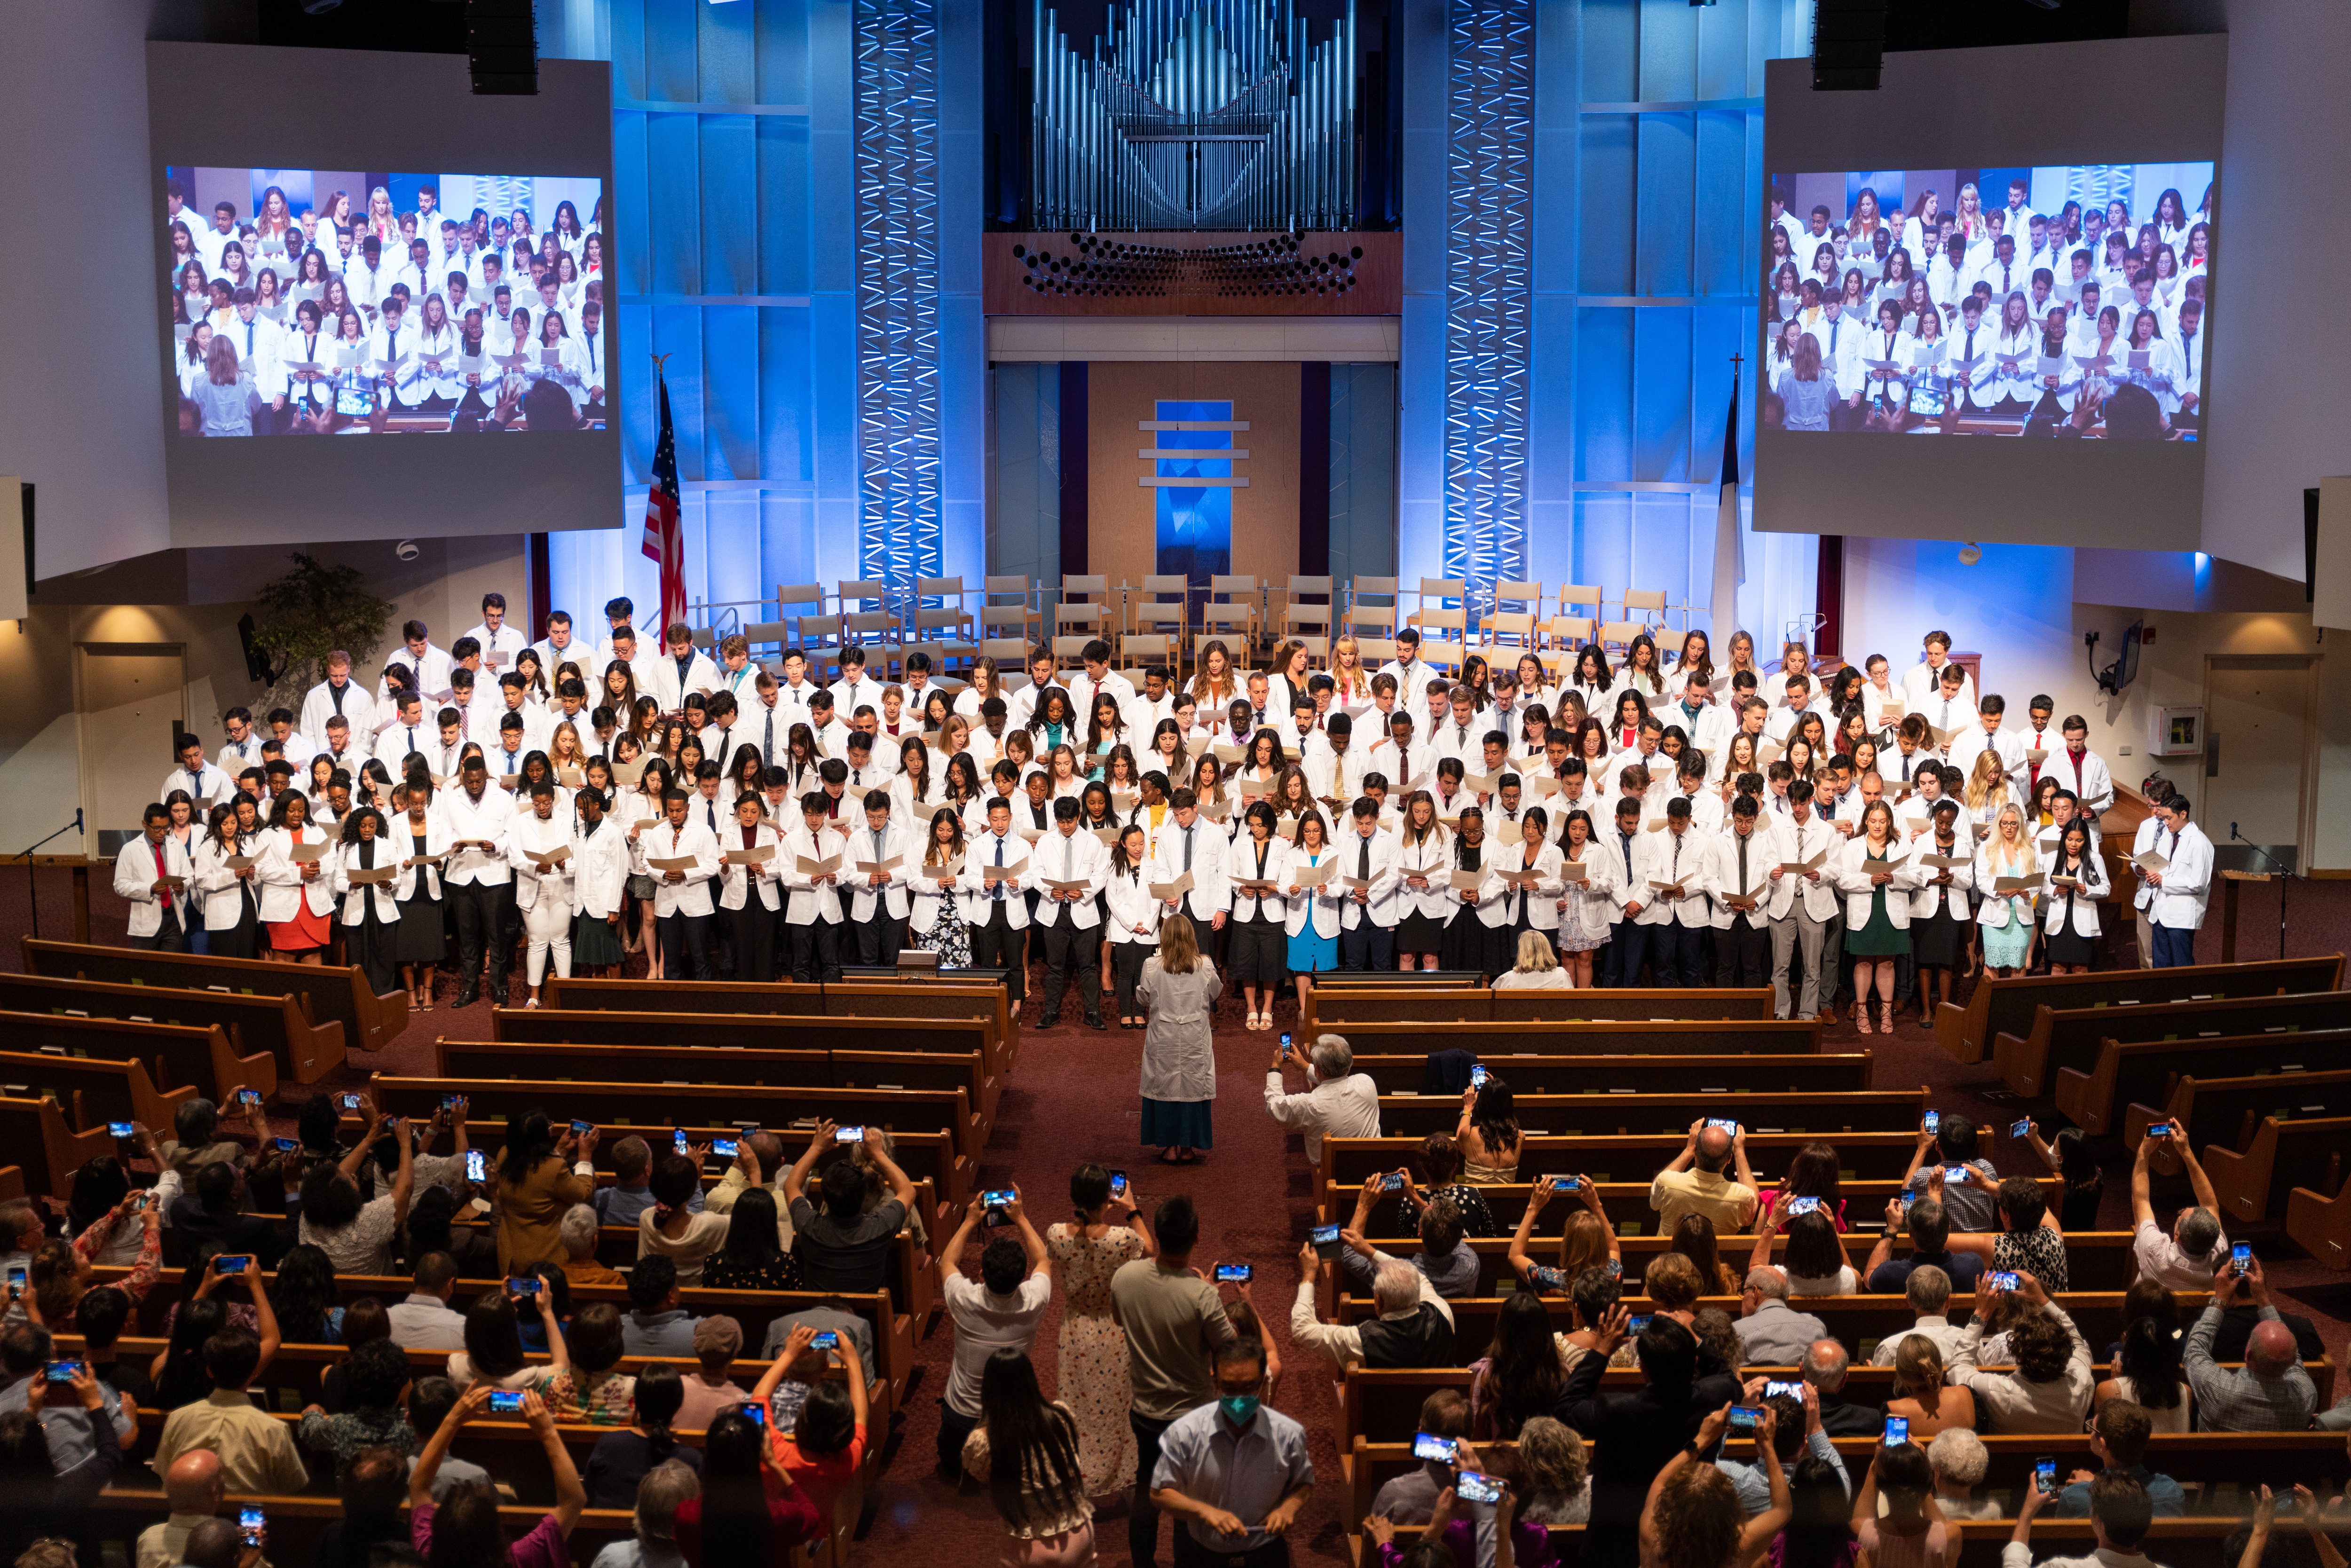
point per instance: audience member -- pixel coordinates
(1909, 1527)
(1928, 1292)
(664, 1488)
(1233, 1471)
(1635, 1435)
(999, 1313)
(375, 1385)
(2148, 1374)
(1694, 1182)
(580, 1232)
(424, 1320)
(656, 1323)
(750, 1515)
(1929, 1230)
(1414, 1326)
(1771, 1332)
(1175, 1325)
(1953, 1142)
(193, 1490)
(1960, 1461)
(371, 1488)
(845, 1248)
(42, 1492)
(1923, 1394)
(1446, 1258)
(631, 1193)
(711, 1388)
(1025, 1451)
(257, 1450)
(464, 1528)
(825, 1444)
(1519, 1378)
(1338, 1104)
(2119, 1436)
(1826, 1366)
(430, 1400)
(1689, 1512)
(1406, 1499)
(2184, 1257)
(2272, 1391)
(2049, 1390)
(622, 1459)
(2120, 1516)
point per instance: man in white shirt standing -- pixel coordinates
(558, 648)
(338, 695)
(480, 881)
(501, 643)
(145, 873)
(1922, 681)
(1411, 676)
(1338, 1101)
(2188, 370)
(2176, 907)
(1988, 735)
(1840, 344)
(206, 784)
(1000, 1312)
(1067, 918)
(427, 664)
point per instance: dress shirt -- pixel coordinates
(2007, 1403)
(1247, 1473)
(1346, 1107)
(1728, 1202)
(1776, 1335)
(2236, 1399)
(426, 1322)
(1933, 1326)
(257, 1450)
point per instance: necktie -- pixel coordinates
(2004, 270)
(767, 749)
(248, 339)
(1364, 859)
(999, 892)
(1742, 839)
(1187, 848)
(1832, 335)
(710, 813)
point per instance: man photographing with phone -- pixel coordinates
(1000, 1312)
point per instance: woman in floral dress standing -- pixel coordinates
(1092, 1381)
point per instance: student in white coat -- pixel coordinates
(477, 879)
(1527, 847)
(750, 890)
(1922, 681)
(2177, 893)
(2006, 918)
(1877, 875)
(1671, 917)
(1367, 914)
(679, 668)
(1804, 907)
(1940, 917)
(877, 899)
(2077, 879)
(1256, 933)
(1190, 843)
(420, 939)
(681, 902)
(543, 892)
(337, 695)
(994, 909)
(154, 873)
(599, 877)
(1065, 923)
(1741, 869)
(371, 909)
(297, 897)
(1311, 923)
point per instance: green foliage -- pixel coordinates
(313, 610)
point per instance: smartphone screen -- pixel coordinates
(677, 1140)
(1797, 1206)
(1745, 1417)
(1478, 1076)
(351, 1102)
(2241, 1255)
(61, 1371)
(1326, 1241)
(1722, 1123)
(227, 1264)
(2002, 1280)
(2158, 1129)
(849, 1134)
(725, 1146)
(1233, 1273)
(581, 1126)
(476, 1165)
(1285, 1040)
(1897, 1430)
(123, 1129)
(1635, 1324)
(1565, 1182)
(518, 1285)
(828, 1340)
(1424, 1445)
(1792, 1390)
(1934, 1121)
(248, 1096)
(285, 1145)
(16, 1279)
(1471, 1487)
(1392, 1182)
(2045, 1476)
(250, 1527)
(505, 1404)
(2022, 1129)
(1118, 1183)
(758, 1414)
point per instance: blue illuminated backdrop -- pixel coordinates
(1194, 536)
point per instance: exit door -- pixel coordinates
(2256, 757)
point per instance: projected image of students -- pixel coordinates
(332, 302)
(2058, 301)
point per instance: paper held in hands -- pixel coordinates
(880, 868)
(628, 774)
(1467, 881)
(2151, 860)
(554, 856)
(1573, 871)
(1252, 885)
(372, 874)
(1313, 876)
(1673, 887)
(307, 854)
(1520, 876)
(758, 855)
(2004, 886)
(670, 862)
(1003, 872)
(244, 862)
(1798, 868)
(427, 860)
(1943, 862)
(829, 866)
(1081, 885)
(1163, 890)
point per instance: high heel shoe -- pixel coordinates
(1861, 1021)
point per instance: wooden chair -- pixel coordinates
(1371, 608)
(1646, 606)
(1510, 623)
(1310, 623)
(1009, 611)
(1148, 648)
(1229, 612)
(2005, 1005)
(1083, 609)
(1157, 614)
(1444, 637)
(946, 630)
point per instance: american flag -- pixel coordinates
(665, 534)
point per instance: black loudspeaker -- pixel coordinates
(257, 661)
(2310, 544)
(502, 46)
(1848, 45)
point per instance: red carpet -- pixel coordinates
(1073, 1099)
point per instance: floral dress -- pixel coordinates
(1092, 1381)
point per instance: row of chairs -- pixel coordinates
(1167, 620)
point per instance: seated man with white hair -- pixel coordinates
(1771, 1332)
(1415, 1326)
(580, 1232)
(1959, 1462)
(1928, 1292)
(1336, 1104)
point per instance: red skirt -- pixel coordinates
(302, 934)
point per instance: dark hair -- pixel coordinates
(1956, 1134)
(101, 1314)
(674, 1180)
(98, 1186)
(466, 1532)
(373, 1483)
(1033, 1471)
(1522, 1376)
(735, 1521)
(330, 1200)
(1002, 1266)
(660, 1394)
(1595, 1291)
(1694, 1239)
(493, 1337)
(751, 1231)
(374, 1374)
(1089, 1189)
(1495, 1119)
(1813, 1173)
(184, 1379)
(2149, 1357)
(655, 1276)
(1178, 1225)
(828, 1419)
(1813, 1251)
(302, 1294)
(1818, 1530)
(2120, 1503)
(530, 1138)
(594, 1338)
(2021, 1204)
(1440, 1161)
(1668, 1355)
(231, 1356)
(319, 1125)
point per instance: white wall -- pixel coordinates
(80, 415)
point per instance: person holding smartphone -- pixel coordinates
(2184, 1257)
(1000, 1312)
(466, 1526)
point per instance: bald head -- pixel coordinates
(1713, 1148)
(2270, 1351)
(194, 1485)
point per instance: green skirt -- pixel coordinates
(593, 942)
(1877, 938)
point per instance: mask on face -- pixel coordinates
(1240, 1409)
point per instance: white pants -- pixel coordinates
(548, 923)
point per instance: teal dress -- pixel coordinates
(1877, 937)
(1309, 953)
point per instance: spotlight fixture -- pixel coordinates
(1970, 553)
(2045, 5)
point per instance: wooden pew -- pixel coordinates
(177, 1057)
(297, 1524)
(709, 1063)
(2320, 1224)
(1627, 1203)
(894, 1335)
(1839, 1073)
(280, 1024)
(698, 1104)
(47, 1150)
(1341, 1007)
(2095, 1259)
(2305, 1153)
(751, 1031)
(1881, 1110)
(2198, 1542)
(2244, 1460)
(2227, 1110)
(93, 1091)
(932, 1157)
(2070, 1037)
(1663, 1038)
(2005, 1006)
(341, 996)
(1561, 1149)
(2145, 1069)
(911, 998)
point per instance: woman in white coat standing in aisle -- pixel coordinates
(296, 895)
(542, 888)
(1876, 875)
(2077, 879)
(1587, 903)
(371, 909)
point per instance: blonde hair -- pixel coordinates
(1179, 946)
(986, 679)
(1919, 1364)
(1554, 1456)
(1534, 954)
(2024, 861)
(1979, 778)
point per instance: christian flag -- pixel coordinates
(1730, 549)
(665, 534)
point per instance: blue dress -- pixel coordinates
(1309, 953)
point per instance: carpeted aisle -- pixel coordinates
(1073, 1099)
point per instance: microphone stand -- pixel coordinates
(2278, 869)
(32, 883)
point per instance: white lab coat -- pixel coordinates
(528, 833)
(319, 706)
(490, 818)
(1078, 856)
(1795, 842)
(901, 842)
(2093, 887)
(1927, 898)
(1540, 903)
(982, 849)
(134, 879)
(1852, 876)
(657, 676)
(1131, 904)
(2093, 782)
(283, 889)
(436, 841)
(1240, 861)
(1723, 875)
(1211, 847)
(2187, 885)
(1919, 686)
(1661, 857)
(690, 897)
(1383, 907)
(1994, 909)
(350, 895)
(1595, 909)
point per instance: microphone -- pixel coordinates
(2233, 833)
(78, 827)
